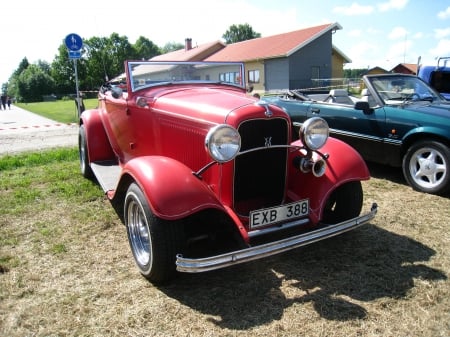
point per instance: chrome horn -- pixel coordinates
(316, 167)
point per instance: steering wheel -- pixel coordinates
(414, 97)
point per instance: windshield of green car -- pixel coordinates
(401, 89)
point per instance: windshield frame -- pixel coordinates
(146, 74)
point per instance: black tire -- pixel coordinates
(426, 167)
(85, 168)
(344, 203)
(154, 242)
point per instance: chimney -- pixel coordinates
(187, 44)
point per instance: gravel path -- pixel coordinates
(21, 130)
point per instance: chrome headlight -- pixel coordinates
(314, 133)
(223, 143)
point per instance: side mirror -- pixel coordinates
(364, 106)
(116, 92)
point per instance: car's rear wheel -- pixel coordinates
(344, 203)
(85, 168)
(154, 242)
(426, 167)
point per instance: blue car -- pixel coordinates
(399, 120)
(438, 76)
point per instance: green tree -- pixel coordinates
(354, 73)
(119, 50)
(145, 49)
(171, 46)
(238, 33)
(33, 83)
(105, 58)
(22, 66)
(63, 72)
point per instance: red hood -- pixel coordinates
(213, 104)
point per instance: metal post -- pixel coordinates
(76, 87)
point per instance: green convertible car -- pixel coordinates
(399, 121)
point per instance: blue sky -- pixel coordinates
(374, 33)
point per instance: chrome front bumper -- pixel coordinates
(257, 252)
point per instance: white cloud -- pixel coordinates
(445, 14)
(353, 9)
(442, 48)
(355, 33)
(392, 4)
(397, 33)
(362, 55)
(398, 52)
(373, 31)
(441, 33)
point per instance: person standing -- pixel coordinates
(3, 98)
(8, 101)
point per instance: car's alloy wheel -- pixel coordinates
(426, 167)
(154, 242)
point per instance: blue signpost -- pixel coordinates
(74, 43)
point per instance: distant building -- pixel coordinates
(405, 68)
(376, 71)
(285, 61)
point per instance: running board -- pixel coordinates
(107, 174)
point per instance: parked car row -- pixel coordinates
(205, 176)
(399, 121)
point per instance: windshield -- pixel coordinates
(147, 73)
(401, 89)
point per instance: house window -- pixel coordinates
(229, 77)
(253, 76)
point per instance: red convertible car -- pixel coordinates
(205, 176)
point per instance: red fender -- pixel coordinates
(99, 148)
(343, 165)
(171, 188)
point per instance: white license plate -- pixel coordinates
(269, 216)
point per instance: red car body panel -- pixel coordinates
(344, 166)
(99, 145)
(171, 188)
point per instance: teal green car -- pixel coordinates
(399, 120)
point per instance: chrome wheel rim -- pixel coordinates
(139, 232)
(82, 157)
(428, 168)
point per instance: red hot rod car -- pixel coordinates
(204, 176)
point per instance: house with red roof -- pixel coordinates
(290, 60)
(405, 68)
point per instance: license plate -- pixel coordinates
(269, 216)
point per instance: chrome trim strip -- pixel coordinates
(397, 142)
(189, 265)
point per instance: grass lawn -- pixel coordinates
(63, 111)
(66, 269)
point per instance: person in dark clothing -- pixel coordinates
(8, 101)
(3, 98)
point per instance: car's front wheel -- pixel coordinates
(344, 203)
(426, 167)
(85, 168)
(154, 242)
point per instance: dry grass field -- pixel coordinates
(66, 270)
